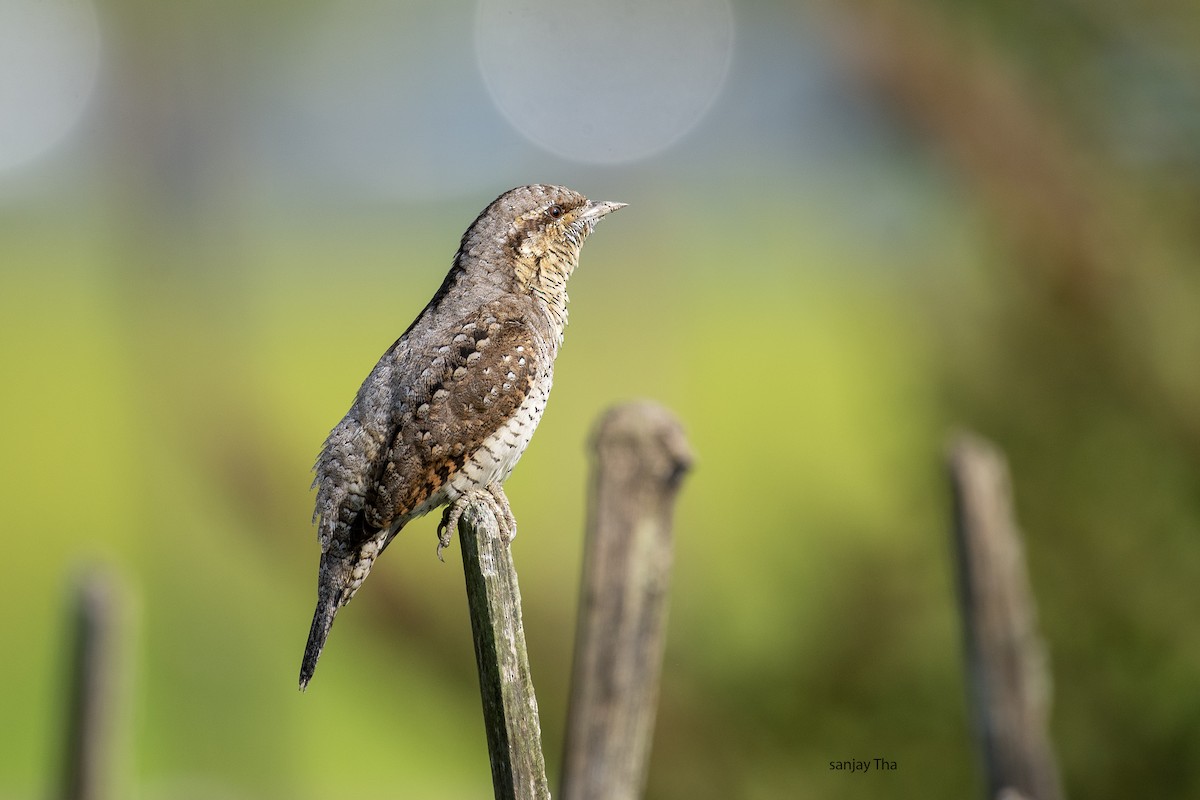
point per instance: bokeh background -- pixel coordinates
(853, 227)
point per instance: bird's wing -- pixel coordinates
(350, 457)
(468, 390)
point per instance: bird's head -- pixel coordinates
(550, 224)
(538, 231)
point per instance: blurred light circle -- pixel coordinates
(49, 60)
(604, 81)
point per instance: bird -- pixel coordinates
(446, 413)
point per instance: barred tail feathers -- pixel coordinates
(342, 571)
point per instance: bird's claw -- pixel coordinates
(504, 516)
(493, 497)
(448, 526)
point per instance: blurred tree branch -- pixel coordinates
(1087, 237)
(967, 100)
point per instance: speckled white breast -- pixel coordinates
(500, 452)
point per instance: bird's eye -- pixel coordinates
(555, 211)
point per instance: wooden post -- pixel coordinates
(514, 733)
(88, 741)
(641, 456)
(1007, 675)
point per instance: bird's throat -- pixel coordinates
(545, 278)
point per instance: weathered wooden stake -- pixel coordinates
(641, 456)
(1007, 674)
(91, 702)
(510, 711)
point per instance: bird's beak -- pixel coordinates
(594, 211)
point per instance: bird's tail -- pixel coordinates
(342, 572)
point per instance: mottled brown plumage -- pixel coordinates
(452, 404)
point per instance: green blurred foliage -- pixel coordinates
(166, 391)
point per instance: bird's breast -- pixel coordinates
(494, 460)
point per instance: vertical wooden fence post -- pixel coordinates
(1007, 675)
(510, 711)
(91, 702)
(641, 456)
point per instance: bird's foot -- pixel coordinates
(504, 516)
(493, 498)
(449, 524)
